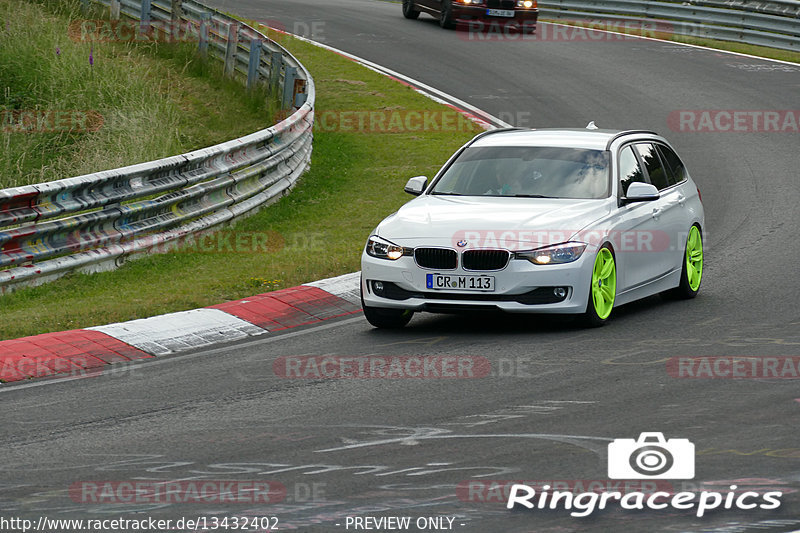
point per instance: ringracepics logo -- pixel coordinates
(648, 457)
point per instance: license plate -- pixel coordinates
(500, 12)
(442, 282)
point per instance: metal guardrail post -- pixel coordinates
(276, 62)
(114, 8)
(144, 17)
(202, 47)
(288, 87)
(230, 50)
(300, 98)
(255, 61)
(176, 15)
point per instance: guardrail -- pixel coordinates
(99, 221)
(773, 23)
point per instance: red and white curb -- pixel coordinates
(80, 351)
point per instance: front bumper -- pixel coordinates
(466, 14)
(517, 287)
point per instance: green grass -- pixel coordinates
(155, 100)
(356, 179)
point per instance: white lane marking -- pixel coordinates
(567, 439)
(125, 367)
(179, 332)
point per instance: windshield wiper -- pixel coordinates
(530, 196)
(437, 193)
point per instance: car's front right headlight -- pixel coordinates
(383, 249)
(554, 255)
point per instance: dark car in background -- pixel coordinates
(477, 15)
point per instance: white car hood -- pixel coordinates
(490, 222)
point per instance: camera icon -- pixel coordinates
(651, 457)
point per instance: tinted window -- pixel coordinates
(552, 172)
(676, 172)
(652, 163)
(629, 169)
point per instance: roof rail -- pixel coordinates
(626, 132)
(483, 134)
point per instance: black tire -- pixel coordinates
(385, 318)
(408, 10)
(684, 290)
(446, 15)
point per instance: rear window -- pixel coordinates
(652, 162)
(676, 172)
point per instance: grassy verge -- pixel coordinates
(356, 179)
(730, 46)
(154, 100)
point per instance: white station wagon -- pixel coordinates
(573, 221)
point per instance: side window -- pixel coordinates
(629, 169)
(676, 172)
(652, 163)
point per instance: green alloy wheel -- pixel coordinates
(692, 271)
(603, 289)
(694, 258)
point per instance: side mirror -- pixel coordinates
(416, 185)
(640, 192)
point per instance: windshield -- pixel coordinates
(527, 171)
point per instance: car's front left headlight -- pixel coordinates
(377, 247)
(527, 4)
(556, 254)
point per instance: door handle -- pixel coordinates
(656, 212)
(681, 200)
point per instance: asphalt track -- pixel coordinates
(557, 394)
